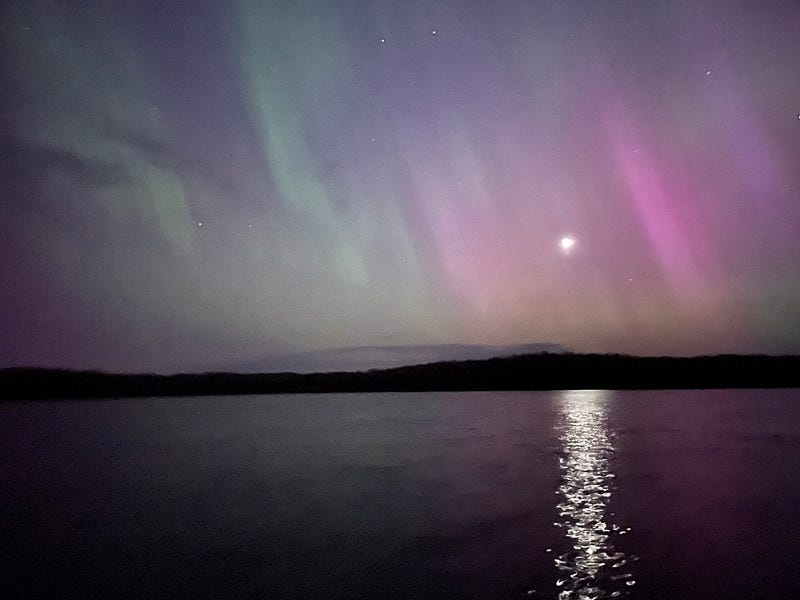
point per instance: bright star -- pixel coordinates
(567, 244)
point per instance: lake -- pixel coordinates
(689, 494)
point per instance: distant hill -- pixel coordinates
(544, 371)
(363, 358)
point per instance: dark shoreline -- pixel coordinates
(522, 372)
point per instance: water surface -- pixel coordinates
(595, 494)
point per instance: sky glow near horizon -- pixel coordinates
(186, 186)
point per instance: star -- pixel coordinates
(383, 40)
(199, 223)
(434, 32)
(708, 72)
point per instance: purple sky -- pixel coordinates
(193, 185)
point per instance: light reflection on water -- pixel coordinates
(591, 568)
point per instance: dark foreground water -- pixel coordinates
(581, 494)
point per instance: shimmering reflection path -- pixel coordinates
(591, 568)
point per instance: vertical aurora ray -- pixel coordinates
(655, 205)
(280, 41)
(339, 211)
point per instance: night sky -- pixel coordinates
(187, 185)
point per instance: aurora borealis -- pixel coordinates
(187, 185)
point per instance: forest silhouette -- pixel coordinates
(544, 371)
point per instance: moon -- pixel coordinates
(567, 243)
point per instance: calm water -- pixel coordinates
(582, 494)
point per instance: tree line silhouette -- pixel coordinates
(521, 372)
